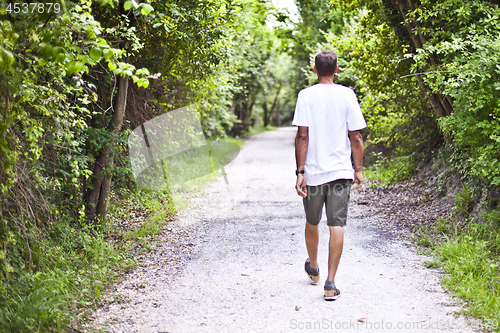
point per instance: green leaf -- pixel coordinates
(57, 50)
(46, 50)
(112, 66)
(7, 57)
(70, 67)
(108, 53)
(61, 57)
(146, 9)
(95, 54)
(79, 66)
(145, 83)
(127, 5)
(142, 71)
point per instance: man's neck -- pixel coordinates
(325, 79)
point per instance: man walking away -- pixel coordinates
(329, 118)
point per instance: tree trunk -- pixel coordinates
(441, 104)
(275, 102)
(253, 98)
(266, 114)
(433, 98)
(105, 158)
(102, 204)
(277, 115)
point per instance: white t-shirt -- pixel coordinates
(330, 111)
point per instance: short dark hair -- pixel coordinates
(325, 62)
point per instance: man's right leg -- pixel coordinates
(335, 251)
(336, 211)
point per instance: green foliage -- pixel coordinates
(465, 39)
(456, 49)
(423, 237)
(400, 123)
(475, 126)
(58, 80)
(390, 169)
(316, 17)
(473, 271)
(464, 201)
(443, 226)
(46, 110)
(469, 256)
(188, 43)
(159, 207)
(73, 267)
(254, 44)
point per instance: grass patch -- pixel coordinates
(468, 252)
(69, 268)
(260, 129)
(470, 259)
(159, 209)
(423, 238)
(389, 171)
(472, 274)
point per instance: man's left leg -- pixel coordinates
(336, 210)
(335, 251)
(313, 206)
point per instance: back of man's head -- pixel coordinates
(326, 63)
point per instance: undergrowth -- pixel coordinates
(467, 248)
(470, 260)
(54, 274)
(69, 265)
(389, 170)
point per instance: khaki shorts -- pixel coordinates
(335, 195)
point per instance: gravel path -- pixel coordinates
(233, 262)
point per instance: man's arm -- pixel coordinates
(301, 144)
(357, 154)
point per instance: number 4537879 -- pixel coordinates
(491, 323)
(33, 8)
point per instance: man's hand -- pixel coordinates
(357, 154)
(358, 176)
(301, 144)
(301, 186)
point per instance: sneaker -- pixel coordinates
(312, 273)
(331, 292)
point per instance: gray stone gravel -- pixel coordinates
(233, 262)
